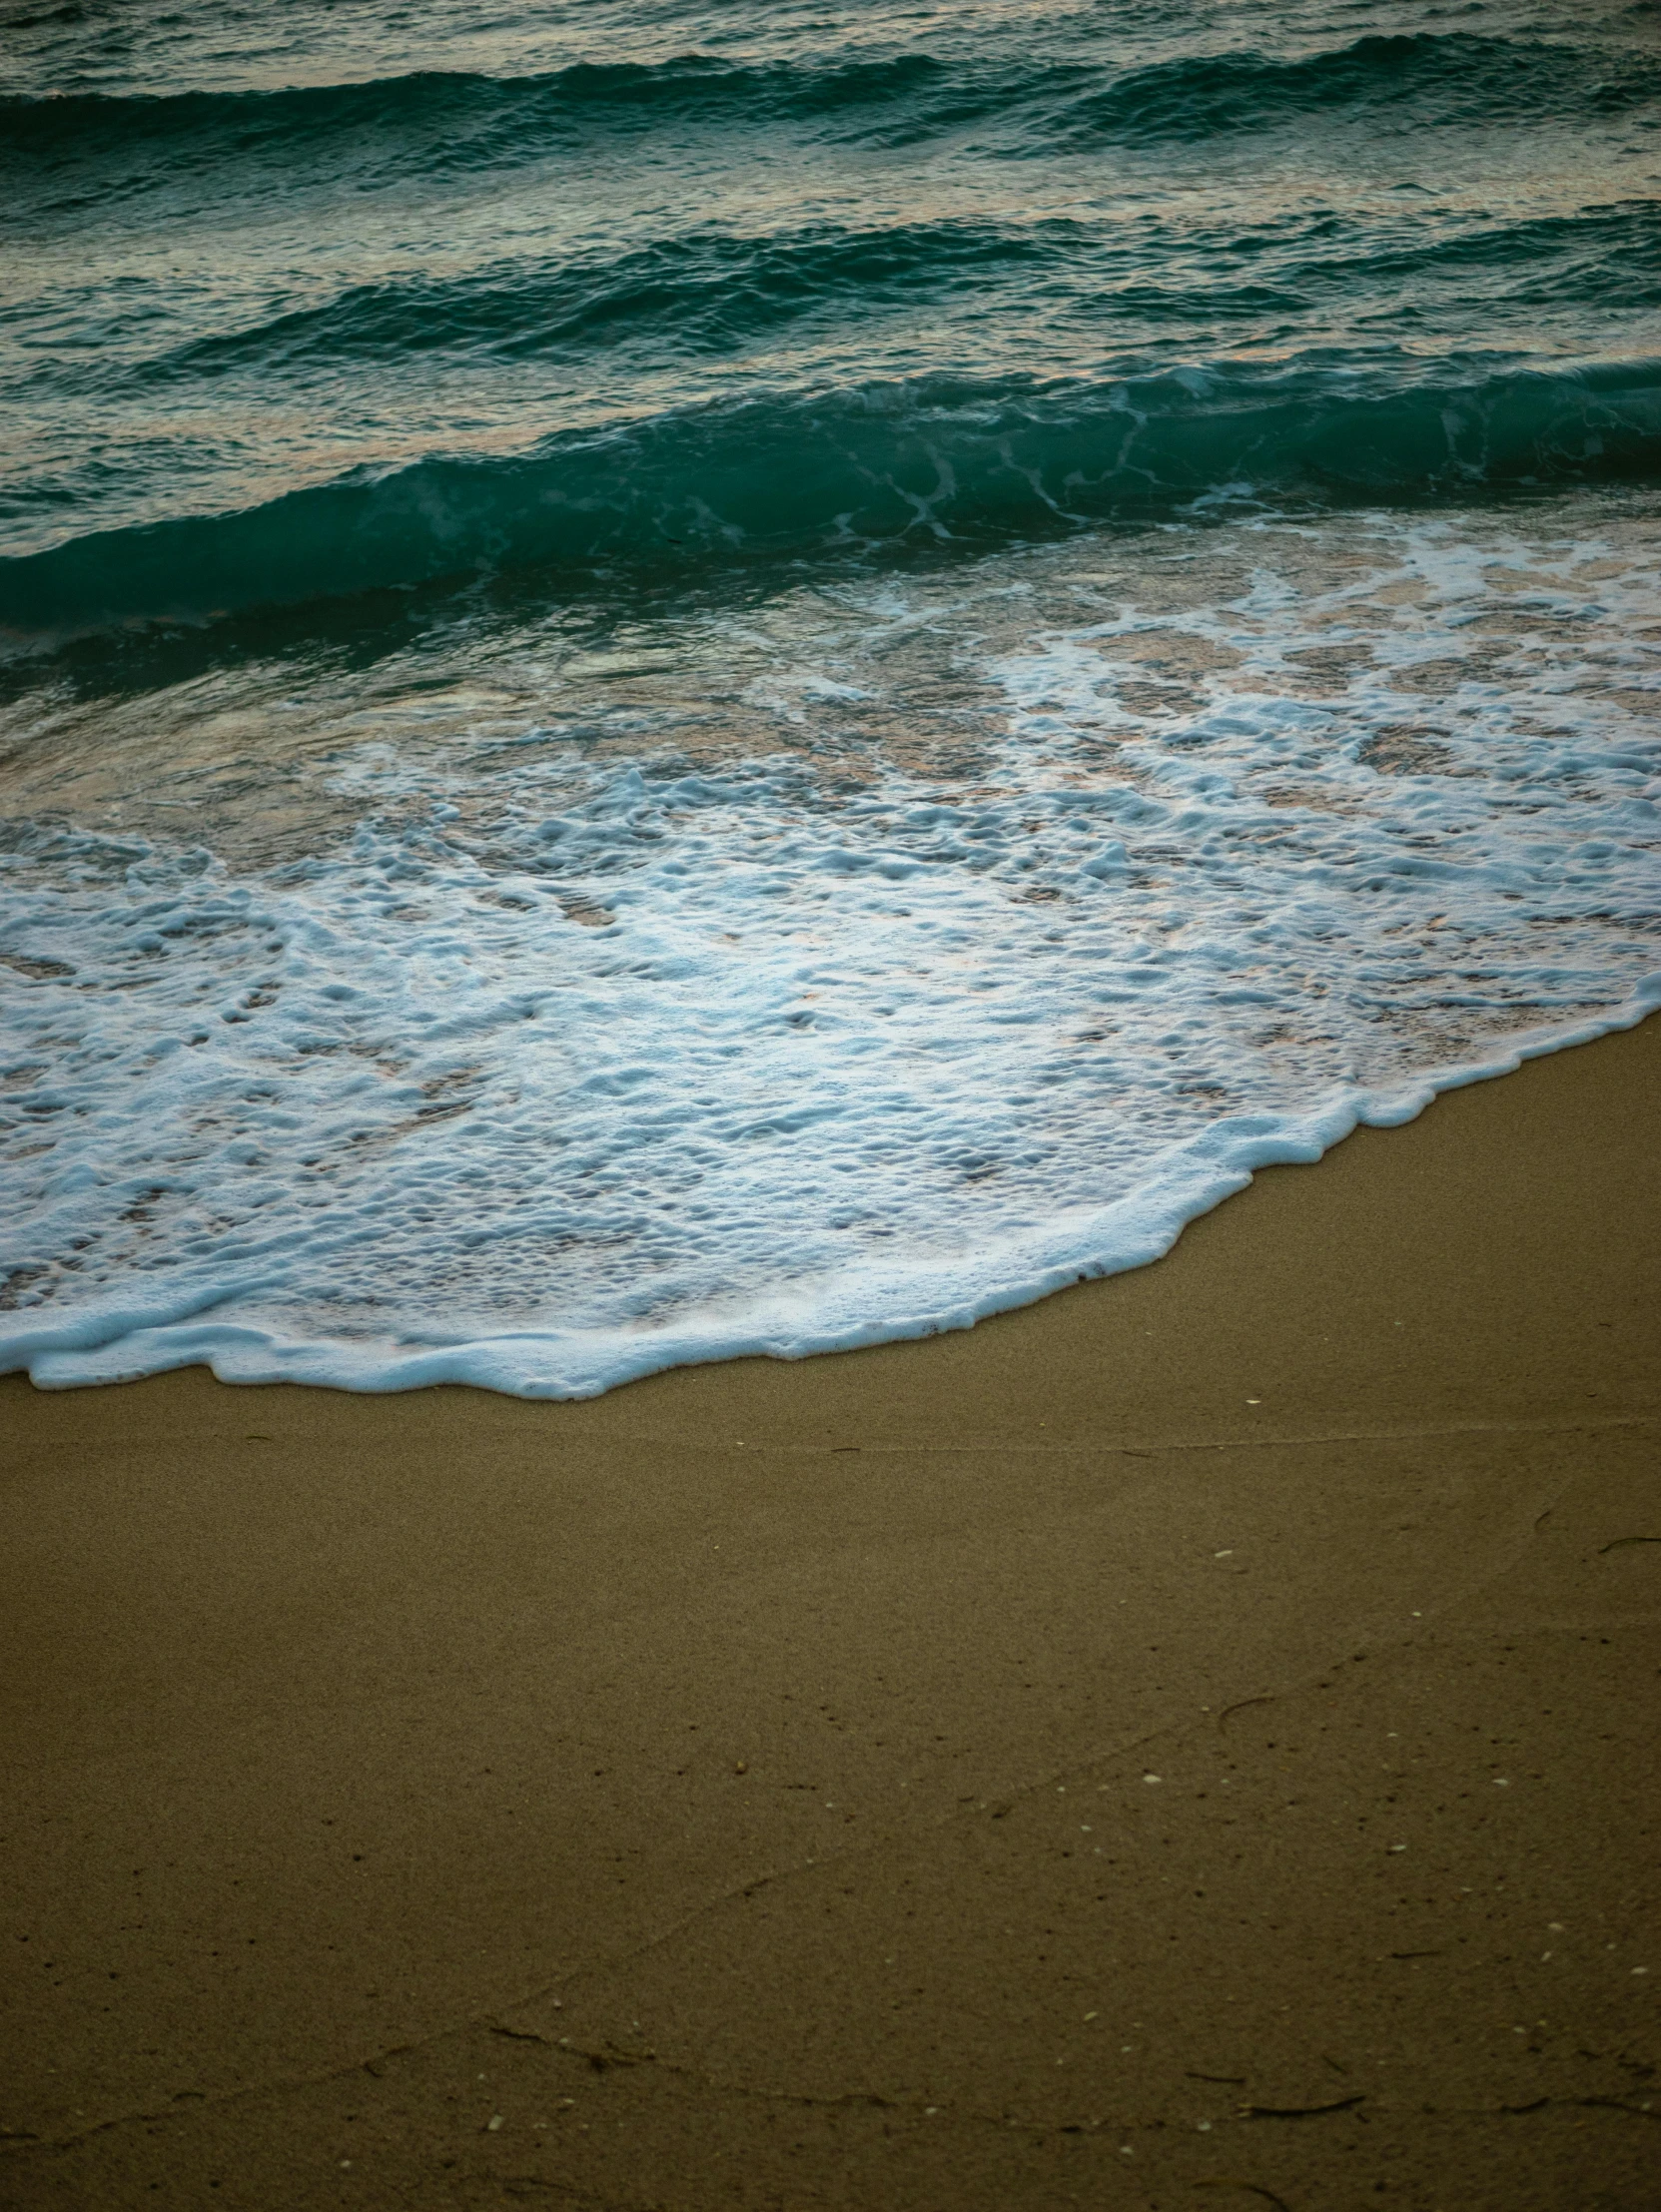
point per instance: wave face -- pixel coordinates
(931, 462)
(67, 150)
(673, 686)
(1400, 82)
(94, 149)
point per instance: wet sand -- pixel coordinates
(1191, 1741)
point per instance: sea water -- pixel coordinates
(686, 682)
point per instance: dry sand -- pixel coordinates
(1193, 1742)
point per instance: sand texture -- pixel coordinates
(1191, 1742)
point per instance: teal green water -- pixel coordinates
(310, 302)
(678, 682)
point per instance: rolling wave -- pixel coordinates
(61, 153)
(1452, 76)
(64, 151)
(704, 293)
(1554, 256)
(62, 124)
(715, 292)
(884, 464)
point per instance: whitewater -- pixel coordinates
(673, 687)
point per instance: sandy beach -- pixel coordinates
(1191, 1740)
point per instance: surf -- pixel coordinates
(819, 475)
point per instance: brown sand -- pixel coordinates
(741, 1791)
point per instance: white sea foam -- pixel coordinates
(566, 1064)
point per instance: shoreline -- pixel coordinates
(1193, 1181)
(1191, 1731)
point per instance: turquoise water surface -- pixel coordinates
(678, 682)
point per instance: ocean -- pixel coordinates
(690, 682)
